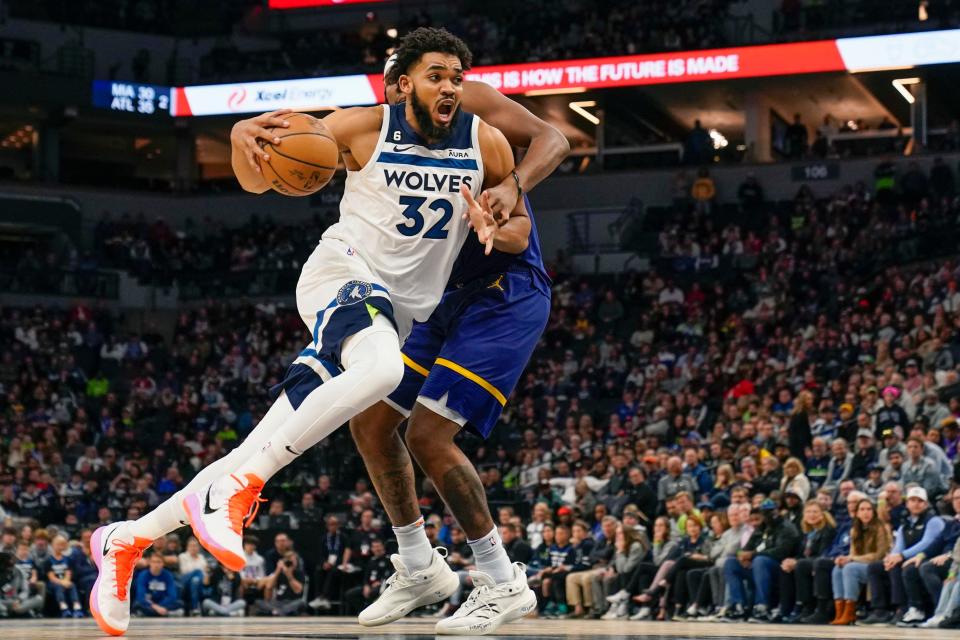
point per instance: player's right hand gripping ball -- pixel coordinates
(305, 159)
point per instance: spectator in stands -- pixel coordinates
(631, 546)
(685, 510)
(83, 566)
(712, 591)
(538, 521)
(771, 478)
(16, 598)
(282, 544)
(840, 464)
(277, 517)
(254, 569)
(797, 573)
(694, 554)
(517, 550)
(636, 583)
(674, 481)
(918, 469)
(758, 564)
(541, 558)
(226, 594)
(8, 539)
(820, 569)
(194, 571)
(794, 480)
(156, 593)
(925, 574)
(35, 580)
(865, 456)
(639, 494)
(334, 554)
(579, 584)
(553, 570)
(284, 588)
(576, 560)
(947, 612)
(698, 148)
(817, 463)
(919, 534)
(869, 542)
(60, 583)
(376, 572)
(799, 434)
(891, 415)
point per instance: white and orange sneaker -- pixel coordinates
(219, 513)
(115, 552)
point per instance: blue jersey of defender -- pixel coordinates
(472, 263)
(466, 359)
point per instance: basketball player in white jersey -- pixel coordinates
(414, 172)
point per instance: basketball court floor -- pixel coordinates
(420, 628)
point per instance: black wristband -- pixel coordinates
(516, 179)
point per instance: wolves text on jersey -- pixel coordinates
(426, 181)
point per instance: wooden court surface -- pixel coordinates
(318, 628)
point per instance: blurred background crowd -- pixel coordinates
(773, 406)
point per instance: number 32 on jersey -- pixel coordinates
(413, 212)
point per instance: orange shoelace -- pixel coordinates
(244, 505)
(126, 559)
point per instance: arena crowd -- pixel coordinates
(764, 427)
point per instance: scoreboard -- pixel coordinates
(131, 97)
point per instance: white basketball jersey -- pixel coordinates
(403, 212)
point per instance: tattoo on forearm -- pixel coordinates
(463, 492)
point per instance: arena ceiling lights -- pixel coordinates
(900, 84)
(580, 108)
(855, 55)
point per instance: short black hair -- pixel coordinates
(427, 40)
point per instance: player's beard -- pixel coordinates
(428, 128)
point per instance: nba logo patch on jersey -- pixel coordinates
(351, 251)
(353, 292)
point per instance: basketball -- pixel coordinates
(305, 159)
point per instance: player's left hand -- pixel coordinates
(503, 199)
(480, 219)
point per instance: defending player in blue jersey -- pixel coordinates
(460, 368)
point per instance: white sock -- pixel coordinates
(415, 549)
(373, 368)
(491, 558)
(169, 515)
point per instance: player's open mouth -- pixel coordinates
(445, 111)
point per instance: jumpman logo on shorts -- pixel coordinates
(498, 283)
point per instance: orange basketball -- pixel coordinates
(305, 159)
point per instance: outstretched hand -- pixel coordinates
(480, 218)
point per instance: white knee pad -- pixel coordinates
(374, 353)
